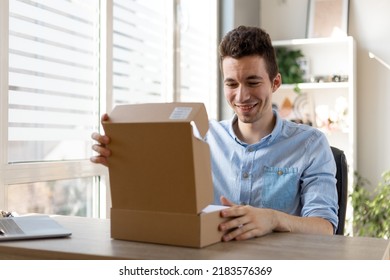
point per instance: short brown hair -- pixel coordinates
(245, 41)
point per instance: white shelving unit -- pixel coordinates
(328, 105)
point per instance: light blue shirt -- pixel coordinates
(291, 170)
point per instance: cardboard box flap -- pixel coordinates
(162, 112)
(157, 164)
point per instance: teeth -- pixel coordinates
(245, 106)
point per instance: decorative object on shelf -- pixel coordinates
(329, 79)
(289, 66)
(286, 108)
(371, 213)
(304, 64)
(332, 118)
(303, 109)
(300, 110)
(327, 18)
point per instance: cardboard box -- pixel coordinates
(160, 174)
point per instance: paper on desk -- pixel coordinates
(214, 208)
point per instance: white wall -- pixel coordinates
(235, 13)
(284, 19)
(369, 23)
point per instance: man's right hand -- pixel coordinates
(100, 147)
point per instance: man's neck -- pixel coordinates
(252, 133)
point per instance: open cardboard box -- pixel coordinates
(160, 174)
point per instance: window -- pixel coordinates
(198, 53)
(51, 106)
(64, 62)
(53, 79)
(172, 51)
(65, 197)
(141, 51)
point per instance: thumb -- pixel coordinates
(225, 201)
(104, 117)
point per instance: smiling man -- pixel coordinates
(276, 175)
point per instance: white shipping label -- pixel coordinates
(180, 113)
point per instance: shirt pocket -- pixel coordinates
(281, 189)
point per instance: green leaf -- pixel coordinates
(371, 213)
(288, 65)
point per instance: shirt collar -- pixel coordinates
(267, 139)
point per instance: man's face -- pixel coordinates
(248, 88)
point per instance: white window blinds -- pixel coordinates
(198, 53)
(165, 51)
(53, 79)
(140, 50)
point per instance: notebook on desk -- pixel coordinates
(30, 227)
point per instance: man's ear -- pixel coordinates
(276, 82)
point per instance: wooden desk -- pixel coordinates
(91, 240)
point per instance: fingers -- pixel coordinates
(234, 211)
(104, 118)
(99, 160)
(242, 232)
(102, 150)
(102, 139)
(237, 227)
(100, 147)
(225, 201)
(238, 215)
(245, 222)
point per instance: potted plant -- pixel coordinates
(289, 67)
(371, 212)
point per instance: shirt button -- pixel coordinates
(245, 175)
(250, 150)
(280, 172)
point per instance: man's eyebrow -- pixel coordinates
(254, 77)
(229, 80)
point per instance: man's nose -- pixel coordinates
(242, 94)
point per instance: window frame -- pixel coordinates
(3, 98)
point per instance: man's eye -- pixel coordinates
(231, 85)
(252, 84)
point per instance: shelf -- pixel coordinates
(313, 41)
(313, 86)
